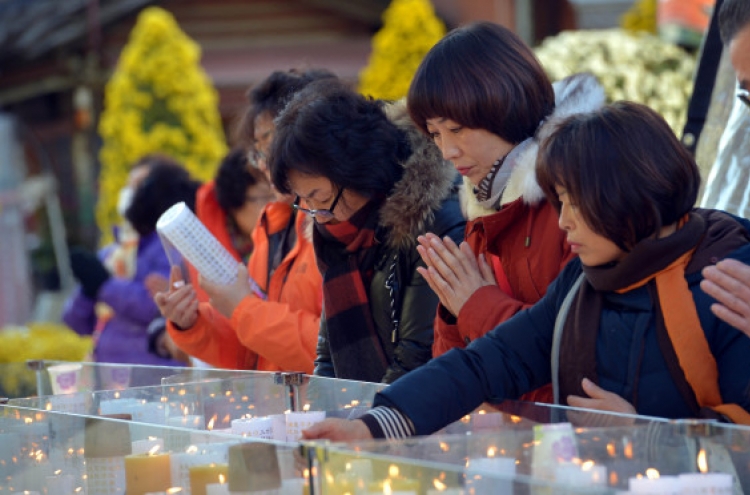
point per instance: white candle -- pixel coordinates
(253, 427)
(192, 421)
(278, 426)
(60, 484)
(490, 474)
(703, 483)
(298, 421)
(217, 489)
(663, 485)
(574, 474)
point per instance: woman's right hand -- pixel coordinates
(338, 430)
(179, 304)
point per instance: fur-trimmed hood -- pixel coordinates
(578, 93)
(427, 181)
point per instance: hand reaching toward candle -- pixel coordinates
(338, 430)
(179, 304)
(600, 399)
(453, 272)
(729, 283)
(226, 298)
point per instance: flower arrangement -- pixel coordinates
(49, 341)
(637, 67)
(158, 99)
(410, 29)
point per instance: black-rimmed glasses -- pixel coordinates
(744, 96)
(323, 213)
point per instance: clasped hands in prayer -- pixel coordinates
(179, 303)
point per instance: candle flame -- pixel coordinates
(444, 447)
(652, 474)
(439, 485)
(192, 449)
(515, 419)
(482, 412)
(305, 473)
(466, 419)
(393, 471)
(117, 395)
(587, 465)
(174, 489)
(181, 392)
(185, 410)
(48, 407)
(228, 393)
(355, 402)
(28, 420)
(628, 451)
(210, 425)
(387, 490)
(58, 472)
(611, 449)
(613, 478)
(222, 480)
(491, 452)
(702, 461)
(153, 450)
(306, 407)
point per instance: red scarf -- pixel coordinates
(346, 254)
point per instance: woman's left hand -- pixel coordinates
(226, 298)
(453, 272)
(600, 399)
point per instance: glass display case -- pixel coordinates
(253, 420)
(573, 451)
(43, 452)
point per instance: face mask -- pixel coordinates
(124, 200)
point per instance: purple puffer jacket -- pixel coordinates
(124, 338)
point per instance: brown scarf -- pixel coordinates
(345, 253)
(661, 264)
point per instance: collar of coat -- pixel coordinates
(427, 181)
(578, 93)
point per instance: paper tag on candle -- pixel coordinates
(253, 467)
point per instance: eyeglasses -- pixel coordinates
(744, 96)
(323, 213)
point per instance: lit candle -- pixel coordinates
(220, 488)
(202, 476)
(147, 473)
(653, 484)
(298, 421)
(396, 486)
(553, 443)
(443, 489)
(147, 445)
(586, 474)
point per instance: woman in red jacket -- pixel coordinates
(484, 99)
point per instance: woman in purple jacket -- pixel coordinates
(114, 300)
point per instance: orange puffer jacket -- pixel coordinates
(279, 334)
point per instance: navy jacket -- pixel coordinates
(514, 358)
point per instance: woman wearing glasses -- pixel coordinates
(373, 183)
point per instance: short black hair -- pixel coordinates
(233, 178)
(331, 131)
(734, 16)
(166, 184)
(482, 76)
(271, 95)
(624, 169)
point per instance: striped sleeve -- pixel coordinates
(387, 422)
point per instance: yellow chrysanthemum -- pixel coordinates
(158, 99)
(410, 29)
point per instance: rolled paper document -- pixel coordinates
(182, 229)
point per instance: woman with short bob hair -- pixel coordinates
(485, 100)
(625, 327)
(373, 183)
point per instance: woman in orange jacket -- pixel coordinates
(276, 328)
